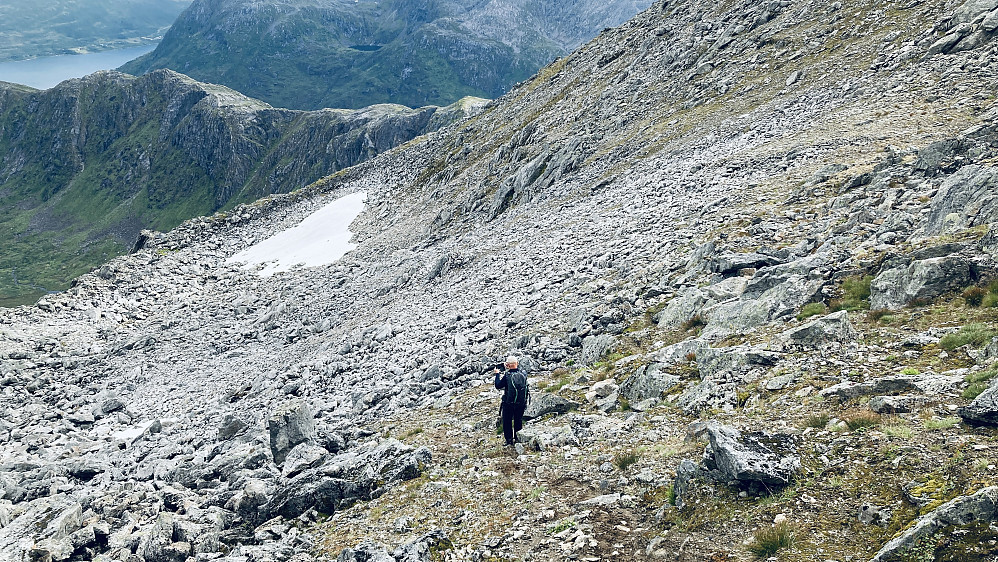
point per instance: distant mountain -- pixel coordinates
(308, 54)
(30, 29)
(88, 164)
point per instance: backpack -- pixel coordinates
(517, 391)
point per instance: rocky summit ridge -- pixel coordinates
(307, 54)
(746, 249)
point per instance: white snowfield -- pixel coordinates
(322, 238)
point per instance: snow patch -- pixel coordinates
(322, 238)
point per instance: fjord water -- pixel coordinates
(45, 72)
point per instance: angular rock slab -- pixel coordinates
(290, 425)
(543, 403)
(832, 328)
(981, 507)
(648, 382)
(749, 457)
(359, 474)
(893, 385)
(923, 279)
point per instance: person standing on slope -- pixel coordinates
(513, 383)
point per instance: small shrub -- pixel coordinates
(944, 423)
(694, 323)
(536, 493)
(625, 405)
(671, 495)
(974, 296)
(817, 421)
(691, 357)
(976, 335)
(861, 420)
(982, 376)
(626, 459)
(770, 540)
(812, 309)
(990, 300)
(909, 371)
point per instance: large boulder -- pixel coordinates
(964, 511)
(984, 409)
(754, 309)
(751, 457)
(832, 328)
(595, 347)
(722, 362)
(682, 308)
(48, 522)
(708, 395)
(648, 382)
(359, 474)
(289, 426)
(967, 198)
(921, 280)
(543, 403)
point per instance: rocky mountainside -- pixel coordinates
(30, 29)
(88, 164)
(308, 54)
(748, 251)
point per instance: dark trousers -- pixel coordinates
(512, 420)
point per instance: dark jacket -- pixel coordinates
(502, 383)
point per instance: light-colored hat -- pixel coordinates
(513, 359)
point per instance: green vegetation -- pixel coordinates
(978, 296)
(975, 335)
(812, 309)
(855, 294)
(770, 540)
(944, 423)
(561, 526)
(979, 382)
(909, 371)
(898, 430)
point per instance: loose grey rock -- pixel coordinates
(983, 410)
(834, 327)
(748, 457)
(290, 425)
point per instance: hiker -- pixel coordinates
(514, 399)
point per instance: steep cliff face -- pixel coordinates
(747, 250)
(88, 164)
(306, 54)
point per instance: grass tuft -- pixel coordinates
(812, 309)
(979, 382)
(626, 459)
(861, 420)
(770, 540)
(855, 293)
(944, 423)
(817, 421)
(975, 335)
